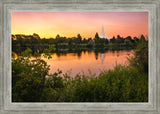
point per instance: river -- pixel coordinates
(87, 62)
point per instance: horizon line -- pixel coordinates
(146, 36)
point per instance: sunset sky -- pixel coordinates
(69, 24)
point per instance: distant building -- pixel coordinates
(103, 35)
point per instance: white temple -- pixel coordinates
(102, 33)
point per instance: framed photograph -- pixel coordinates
(80, 56)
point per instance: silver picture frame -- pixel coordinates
(150, 107)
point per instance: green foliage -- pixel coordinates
(52, 48)
(28, 77)
(36, 54)
(31, 81)
(99, 42)
(34, 42)
(119, 39)
(123, 84)
(27, 53)
(47, 52)
(140, 60)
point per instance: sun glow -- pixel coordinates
(69, 24)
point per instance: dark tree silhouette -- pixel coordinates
(142, 37)
(58, 36)
(96, 35)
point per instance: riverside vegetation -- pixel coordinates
(31, 81)
(34, 42)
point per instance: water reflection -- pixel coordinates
(83, 61)
(102, 55)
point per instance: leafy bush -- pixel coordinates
(140, 58)
(28, 77)
(32, 83)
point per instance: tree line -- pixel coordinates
(34, 39)
(31, 81)
(21, 42)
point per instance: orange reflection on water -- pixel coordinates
(85, 62)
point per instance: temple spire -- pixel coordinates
(102, 33)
